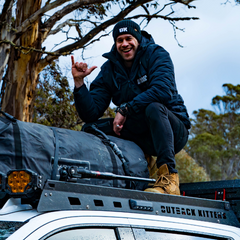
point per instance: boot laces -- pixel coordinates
(163, 181)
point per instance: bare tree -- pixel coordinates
(25, 25)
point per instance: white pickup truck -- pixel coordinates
(60, 210)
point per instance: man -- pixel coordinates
(139, 78)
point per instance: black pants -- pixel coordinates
(157, 131)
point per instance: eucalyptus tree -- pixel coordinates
(215, 135)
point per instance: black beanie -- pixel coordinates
(127, 26)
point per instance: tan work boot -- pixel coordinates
(167, 183)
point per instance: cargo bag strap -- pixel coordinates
(114, 163)
(17, 140)
(55, 162)
(89, 129)
(92, 128)
(18, 145)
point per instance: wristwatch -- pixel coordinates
(123, 109)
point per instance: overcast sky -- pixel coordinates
(210, 55)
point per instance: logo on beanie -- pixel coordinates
(123, 29)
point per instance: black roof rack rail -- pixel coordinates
(76, 196)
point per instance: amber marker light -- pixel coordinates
(19, 181)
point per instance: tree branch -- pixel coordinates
(67, 50)
(27, 23)
(70, 23)
(185, 2)
(164, 17)
(28, 49)
(63, 12)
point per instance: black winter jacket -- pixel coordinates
(151, 79)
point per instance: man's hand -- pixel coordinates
(118, 122)
(80, 71)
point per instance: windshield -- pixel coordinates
(8, 228)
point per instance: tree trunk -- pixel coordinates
(5, 35)
(23, 66)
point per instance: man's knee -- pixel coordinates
(155, 108)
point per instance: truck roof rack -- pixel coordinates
(44, 195)
(76, 196)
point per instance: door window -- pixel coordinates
(85, 234)
(142, 234)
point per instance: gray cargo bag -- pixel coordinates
(35, 147)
